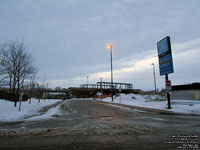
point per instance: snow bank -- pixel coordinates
(157, 102)
(9, 113)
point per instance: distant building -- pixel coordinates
(186, 92)
(56, 95)
(91, 90)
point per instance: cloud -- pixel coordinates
(186, 46)
(137, 69)
(67, 38)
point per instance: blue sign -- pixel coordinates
(165, 56)
(163, 46)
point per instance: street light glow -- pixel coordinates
(109, 45)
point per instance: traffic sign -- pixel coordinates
(165, 56)
(168, 85)
(165, 63)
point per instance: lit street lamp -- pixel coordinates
(109, 46)
(154, 74)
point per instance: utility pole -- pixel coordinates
(154, 74)
(101, 88)
(87, 81)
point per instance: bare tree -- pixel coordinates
(3, 75)
(43, 87)
(58, 88)
(32, 85)
(17, 65)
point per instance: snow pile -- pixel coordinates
(50, 113)
(158, 102)
(9, 113)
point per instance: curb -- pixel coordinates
(167, 112)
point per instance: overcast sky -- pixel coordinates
(67, 38)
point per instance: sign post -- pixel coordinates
(120, 90)
(165, 63)
(168, 95)
(20, 100)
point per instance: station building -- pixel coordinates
(186, 92)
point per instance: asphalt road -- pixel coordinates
(87, 124)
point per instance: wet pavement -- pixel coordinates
(87, 124)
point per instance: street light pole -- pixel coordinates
(154, 74)
(101, 88)
(110, 47)
(87, 81)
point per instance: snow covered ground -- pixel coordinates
(158, 102)
(31, 112)
(9, 113)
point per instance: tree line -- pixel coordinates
(16, 66)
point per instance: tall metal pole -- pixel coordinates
(168, 95)
(111, 71)
(101, 88)
(87, 81)
(154, 74)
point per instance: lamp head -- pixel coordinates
(109, 45)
